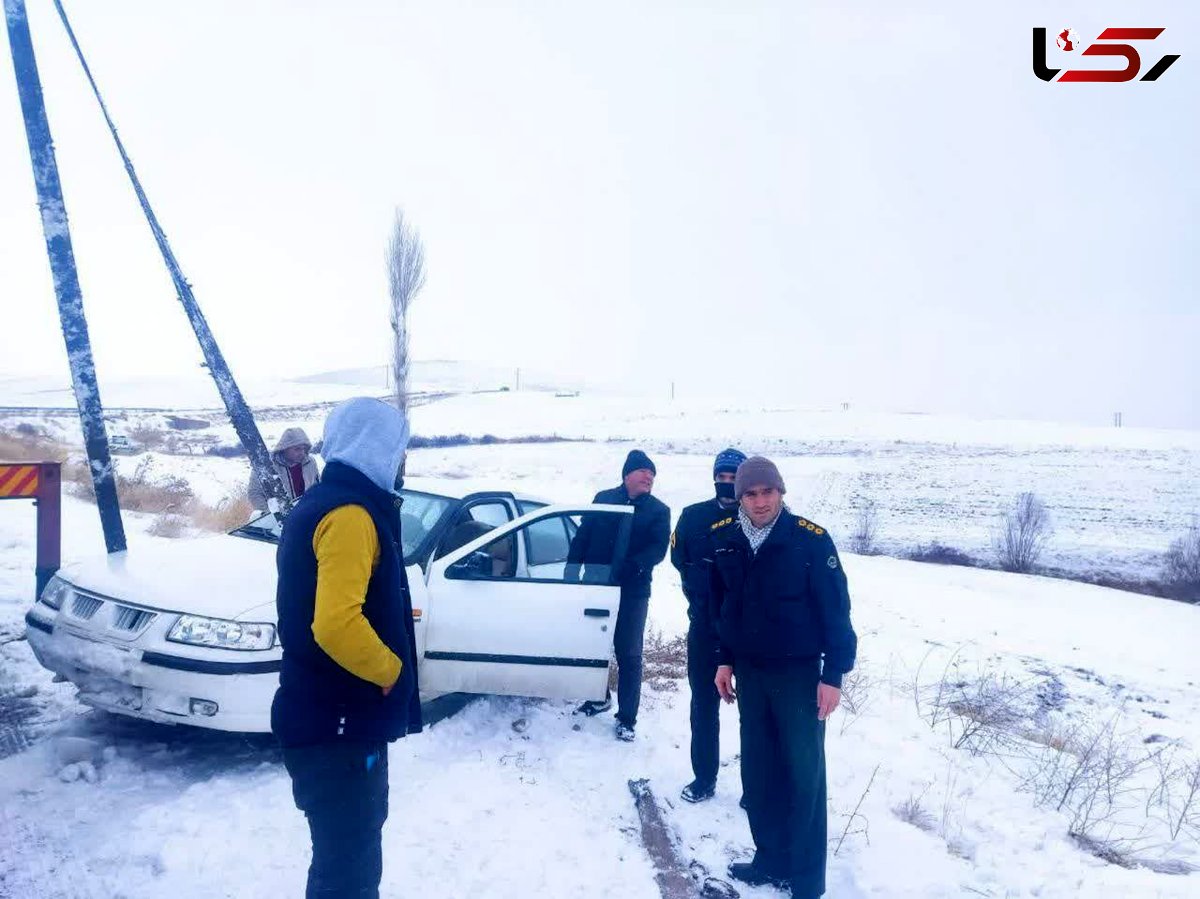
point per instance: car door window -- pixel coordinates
(552, 553)
(472, 522)
(547, 541)
(491, 513)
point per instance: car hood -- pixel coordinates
(221, 577)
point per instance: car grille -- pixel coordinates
(131, 619)
(84, 606)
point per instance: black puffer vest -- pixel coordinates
(318, 700)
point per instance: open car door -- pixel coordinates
(528, 609)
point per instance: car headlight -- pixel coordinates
(55, 591)
(197, 630)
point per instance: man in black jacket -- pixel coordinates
(782, 608)
(648, 538)
(691, 553)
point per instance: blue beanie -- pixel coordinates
(728, 460)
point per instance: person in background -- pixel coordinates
(648, 539)
(691, 553)
(295, 465)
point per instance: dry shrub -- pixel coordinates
(864, 539)
(168, 524)
(170, 497)
(137, 493)
(1052, 737)
(856, 694)
(664, 660)
(29, 444)
(1023, 535)
(230, 513)
(1181, 567)
(856, 688)
(912, 811)
(939, 554)
(146, 437)
(982, 711)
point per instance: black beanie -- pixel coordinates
(635, 460)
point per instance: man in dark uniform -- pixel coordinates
(648, 538)
(691, 553)
(782, 608)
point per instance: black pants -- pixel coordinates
(342, 788)
(628, 637)
(702, 651)
(783, 771)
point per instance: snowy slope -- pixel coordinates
(479, 809)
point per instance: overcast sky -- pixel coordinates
(873, 202)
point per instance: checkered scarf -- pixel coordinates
(756, 536)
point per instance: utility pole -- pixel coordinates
(66, 277)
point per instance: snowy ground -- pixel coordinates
(480, 808)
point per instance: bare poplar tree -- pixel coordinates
(406, 277)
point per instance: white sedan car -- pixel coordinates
(185, 633)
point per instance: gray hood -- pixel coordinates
(368, 435)
(292, 437)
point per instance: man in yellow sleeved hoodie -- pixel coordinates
(348, 685)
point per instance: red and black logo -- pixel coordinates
(1103, 46)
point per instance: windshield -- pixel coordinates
(261, 526)
(419, 515)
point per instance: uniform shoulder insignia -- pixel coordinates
(809, 526)
(721, 523)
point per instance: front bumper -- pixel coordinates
(158, 686)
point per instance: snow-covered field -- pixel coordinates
(482, 808)
(1117, 497)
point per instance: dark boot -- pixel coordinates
(756, 876)
(698, 792)
(595, 707)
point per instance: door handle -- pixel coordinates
(597, 613)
